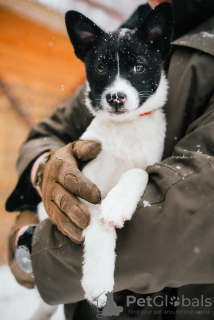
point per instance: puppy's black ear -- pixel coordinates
(157, 28)
(135, 20)
(82, 32)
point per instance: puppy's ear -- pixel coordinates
(82, 32)
(157, 28)
(137, 17)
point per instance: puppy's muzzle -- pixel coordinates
(116, 100)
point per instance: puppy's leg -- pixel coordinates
(99, 259)
(121, 202)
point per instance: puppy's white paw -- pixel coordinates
(99, 300)
(99, 261)
(95, 287)
(121, 202)
(117, 207)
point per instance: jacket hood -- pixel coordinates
(189, 14)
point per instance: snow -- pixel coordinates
(146, 203)
(182, 42)
(17, 302)
(197, 250)
(207, 35)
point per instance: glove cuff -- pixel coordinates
(38, 169)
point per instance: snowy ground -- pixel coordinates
(18, 303)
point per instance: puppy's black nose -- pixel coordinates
(116, 99)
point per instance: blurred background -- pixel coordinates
(38, 71)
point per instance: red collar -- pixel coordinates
(144, 114)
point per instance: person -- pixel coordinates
(166, 251)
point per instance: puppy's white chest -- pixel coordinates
(125, 145)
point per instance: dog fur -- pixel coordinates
(131, 132)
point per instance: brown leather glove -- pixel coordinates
(62, 182)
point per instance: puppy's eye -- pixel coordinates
(138, 68)
(100, 68)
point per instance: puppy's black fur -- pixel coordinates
(137, 54)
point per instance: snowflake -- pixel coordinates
(199, 151)
(146, 203)
(207, 35)
(197, 250)
(178, 167)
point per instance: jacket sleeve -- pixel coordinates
(66, 125)
(168, 242)
(193, 152)
(172, 229)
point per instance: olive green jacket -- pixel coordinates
(169, 243)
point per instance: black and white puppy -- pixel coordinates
(126, 90)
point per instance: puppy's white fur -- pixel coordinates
(155, 101)
(131, 93)
(130, 143)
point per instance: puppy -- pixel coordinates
(126, 91)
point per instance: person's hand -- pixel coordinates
(154, 3)
(62, 182)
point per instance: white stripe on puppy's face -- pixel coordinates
(123, 73)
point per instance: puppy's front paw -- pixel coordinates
(97, 299)
(99, 261)
(117, 207)
(96, 287)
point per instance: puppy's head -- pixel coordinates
(124, 68)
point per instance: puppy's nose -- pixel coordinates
(116, 99)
